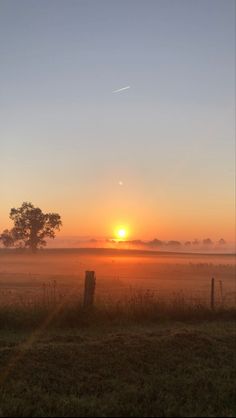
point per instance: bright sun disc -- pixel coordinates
(121, 233)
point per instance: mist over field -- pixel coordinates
(206, 245)
(118, 273)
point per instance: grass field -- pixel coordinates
(150, 347)
(26, 277)
(168, 369)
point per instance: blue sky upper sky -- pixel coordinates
(66, 140)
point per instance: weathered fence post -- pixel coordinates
(89, 289)
(212, 294)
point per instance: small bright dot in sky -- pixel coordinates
(121, 183)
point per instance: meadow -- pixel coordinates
(151, 346)
(167, 369)
(58, 274)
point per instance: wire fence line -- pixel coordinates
(35, 288)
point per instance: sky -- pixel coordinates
(157, 158)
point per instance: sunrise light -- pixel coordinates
(117, 209)
(121, 233)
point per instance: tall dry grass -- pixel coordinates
(63, 311)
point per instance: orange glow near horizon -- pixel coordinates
(139, 220)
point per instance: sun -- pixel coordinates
(121, 233)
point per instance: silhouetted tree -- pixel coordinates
(222, 241)
(155, 243)
(31, 227)
(187, 243)
(7, 238)
(174, 243)
(207, 241)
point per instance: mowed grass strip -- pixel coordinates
(158, 370)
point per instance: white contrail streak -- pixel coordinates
(122, 89)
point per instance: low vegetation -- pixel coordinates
(138, 306)
(165, 369)
(137, 352)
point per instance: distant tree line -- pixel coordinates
(155, 243)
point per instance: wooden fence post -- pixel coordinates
(89, 289)
(212, 294)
